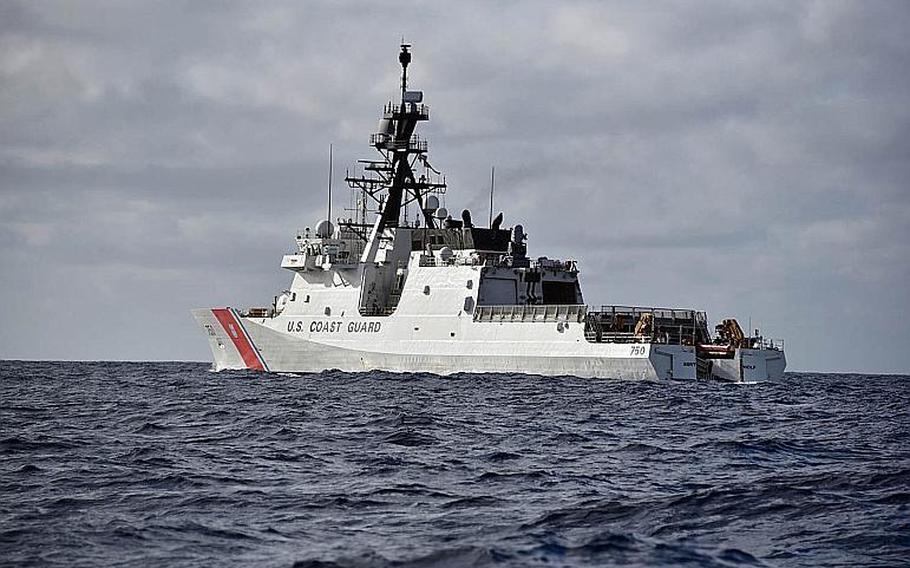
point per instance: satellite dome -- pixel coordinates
(442, 213)
(325, 229)
(432, 203)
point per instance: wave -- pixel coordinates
(136, 463)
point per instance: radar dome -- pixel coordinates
(445, 253)
(325, 229)
(442, 213)
(432, 203)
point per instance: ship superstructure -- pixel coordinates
(416, 290)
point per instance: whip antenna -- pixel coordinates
(329, 213)
(492, 184)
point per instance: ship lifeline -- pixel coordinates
(441, 295)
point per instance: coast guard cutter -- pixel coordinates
(424, 292)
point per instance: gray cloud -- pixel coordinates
(747, 158)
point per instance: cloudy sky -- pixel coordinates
(748, 158)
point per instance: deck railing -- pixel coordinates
(388, 142)
(426, 260)
(419, 110)
(615, 337)
(370, 311)
(523, 313)
(768, 343)
(659, 313)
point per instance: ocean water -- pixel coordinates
(138, 464)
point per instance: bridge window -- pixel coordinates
(498, 291)
(556, 292)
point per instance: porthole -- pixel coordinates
(470, 284)
(328, 311)
(426, 290)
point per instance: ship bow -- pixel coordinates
(232, 347)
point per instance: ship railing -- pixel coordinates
(618, 324)
(750, 343)
(536, 313)
(426, 260)
(769, 343)
(369, 311)
(615, 337)
(417, 110)
(257, 313)
(661, 313)
(388, 142)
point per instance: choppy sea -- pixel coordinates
(141, 464)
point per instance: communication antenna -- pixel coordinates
(492, 185)
(404, 58)
(329, 213)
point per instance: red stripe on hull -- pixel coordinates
(232, 327)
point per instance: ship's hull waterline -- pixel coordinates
(366, 344)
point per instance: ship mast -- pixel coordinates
(391, 181)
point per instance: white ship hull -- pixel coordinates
(441, 294)
(360, 344)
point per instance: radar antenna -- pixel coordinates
(391, 182)
(405, 59)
